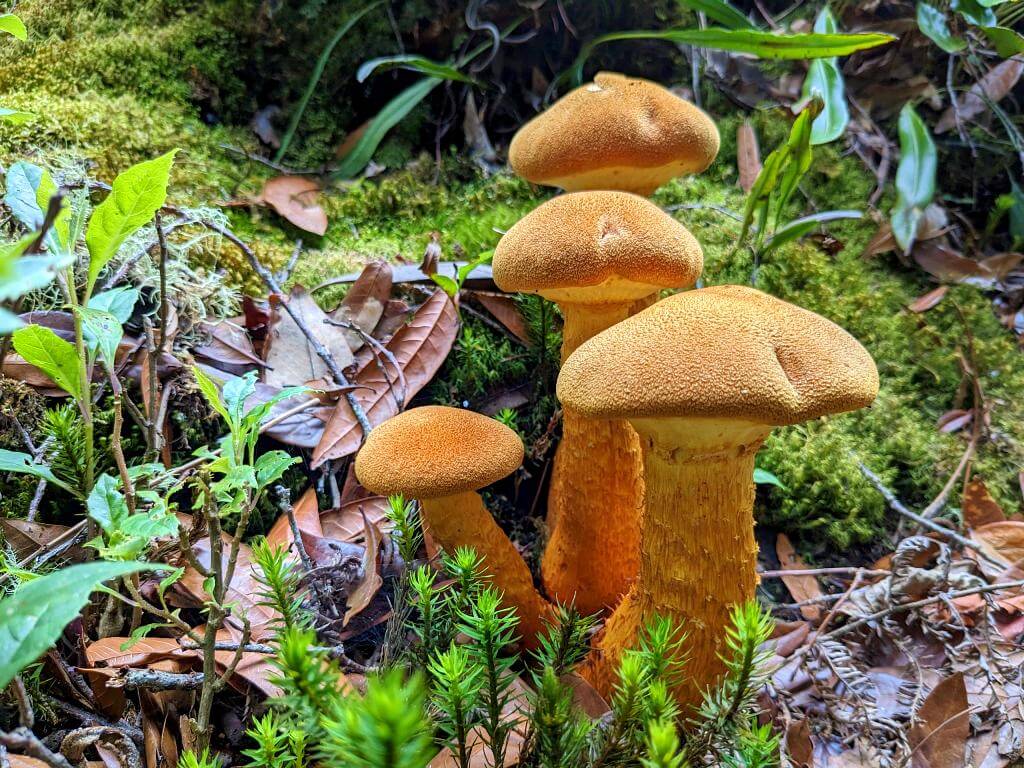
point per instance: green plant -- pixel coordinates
(406, 532)
(915, 177)
(457, 682)
(190, 758)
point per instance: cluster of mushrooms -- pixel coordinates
(665, 403)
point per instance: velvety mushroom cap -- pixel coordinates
(434, 451)
(727, 352)
(611, 242)
(617, 132)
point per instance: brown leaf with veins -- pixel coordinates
(939, 737)
(347, 522)
(291, 359)
(230, 349)
(993, 86)
(748, 155)
(307, 518)
(363, 305)
(420, 347)
(801, 587)
(295, 199)
(506, 312)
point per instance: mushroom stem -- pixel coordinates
(699, 555)
(597, 493)
(462, 520)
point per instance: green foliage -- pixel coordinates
(33, 617)
(558, 728)
(406, 532)
(915, 177)
(55, 357)
(125, 535)
(192, 759)
(68, 458)
(281, 580)
(276, 745)
(457, 682)
(825, 80)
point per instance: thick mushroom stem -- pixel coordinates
(698, 550)
(462, 520)
(597, 492)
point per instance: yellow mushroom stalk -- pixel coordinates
(703, 377)
(441, 456)
(595, 254)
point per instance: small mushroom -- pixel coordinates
(441, 456)
(595, 254)
(617, 132)
(703, 377)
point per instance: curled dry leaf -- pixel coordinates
(928, 300)
(798, 744)
(420, 348)
(25, 538)
(363, 305)
(748, 155)
(949, 266)
(505, 311)
(348, 522)
(229, 349)
(371, 581)
(1003, 540)
(993, 86)
(954, 420)
(939, 737)
(801, 587)
(295, 199)
(291, 359)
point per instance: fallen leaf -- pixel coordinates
(978, 506)
(109, 652)
(229, 349)
(928, 300)
(954, 420)
(351, 139)
(346, 523)
(294, 198)
(801, 587)
(396, 314)
(505, 311)
(1002, 264)
(291, 359)
(882, 241)
(1003, 540)
(585, 696)
(253, 669)
(992, 87)
(949, 266)
(939, 737)
(420, 348)
(371, 581)
(23, 761)
(748, 155)
(798, 744)
(307, 518)
(25, 538)
(363, 305)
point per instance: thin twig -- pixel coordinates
(940, 501)
(26, 715)
(839, 571)
(24, 741)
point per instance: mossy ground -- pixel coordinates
(105, 86)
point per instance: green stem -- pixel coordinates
(85, 404)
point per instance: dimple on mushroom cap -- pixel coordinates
(727, 352)
(434, 451)
(615, 122)
(588, 239)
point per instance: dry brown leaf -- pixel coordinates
(939, 737)
(506, 312)
(295, 199)
(25, 537)
(229, 349)
(371, 581)
(748, 155)
(363, 305)
(798, 744)
(396, 313)
(949, 266)
(928, 300)
(1002, 540)
(801, 587)
(420, 347)
(23, 761)
(108, 651)
(882, 241)
(954, 420)
(291, 359)
(585, 696)
(307, 518)
(346, 523)
(254, 669)
(993, 86)
(978, 506)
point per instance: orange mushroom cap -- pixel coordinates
(434, 451)
(617, 245)
(617, 132)
(727, 352)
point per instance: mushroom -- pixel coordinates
(703, 377)
(441, 456)
(617, 132)
(595, 254)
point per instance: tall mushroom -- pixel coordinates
(441, 456)
(595, 254)
(617, 132)
(703, 377)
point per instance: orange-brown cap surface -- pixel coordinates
(617, 132)
(592, 239)
(727, 352)
(434, 451)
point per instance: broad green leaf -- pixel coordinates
(235, 392)
(12, 25)
(797, 228)
(448, 284)
(107, 505)
(14, 116)
(825, 80)
(211, 393)
(33, 617)
(32, 273)
(120, 302)
(57, 237)
(22, 181)
(102, 333)
(764, 477)
(720, 11)
(55, 357)
(915, 177)
(766, 45)
(271, 465)
(413, 63)
(977, 13)
(392, 113)
(1016, 212)
(12, 461)
(933, 23)
(1006, 41)
(137, 195)
(9, 322)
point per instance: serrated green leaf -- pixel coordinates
(271, 465)
(137, 195)
(102, 333)
(915, 176)
(12, 25)
(120, 302)
(107, 505)
(33, 617)
(933, 23)
(52, 355)
(1006, 41)
(211, 393)
(413, 63)
(720, 11)
(13, 461)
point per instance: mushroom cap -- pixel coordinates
(727, 352)
(617, 132)
(610, 242)
(434, 451)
